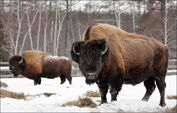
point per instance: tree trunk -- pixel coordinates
(66, 34)
(163, 19)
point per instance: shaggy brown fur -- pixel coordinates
(128, 51)
(34, 66)
(52, 68)
(33, 59)
(132, 59)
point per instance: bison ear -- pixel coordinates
(75, 51)
(104, 49)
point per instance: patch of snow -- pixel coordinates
(37, 63)
(4, 68)
(128, 100)
(51, 57)
(48, 58)
(172, 71)
(63, 57)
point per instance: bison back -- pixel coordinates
(54, 66)
(33, 62)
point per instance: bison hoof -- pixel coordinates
(102, 103)
(62, 82)
(70, 82)
(39, 83)
(162, 104)
(35, 83)
(113, 100)
(145, 99)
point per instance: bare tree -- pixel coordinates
(133, 8)
(167, 27)
(30, 26)
(28, 31)
(67, 22)
(45, 28)
(19, 27)
(39, 27)
(117, 12)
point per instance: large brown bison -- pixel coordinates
(36, 64)
(110, 57)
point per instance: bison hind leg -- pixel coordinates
(150, 87)
(161, 86)
(35, 83)
(69, 78)
(62, 78)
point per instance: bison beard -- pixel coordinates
(128, 58)
(90, 81)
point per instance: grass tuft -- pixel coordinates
(172, 97)
(173, 109)
(49, 94)
(3, 84)
(81, 102)
(92, 94)
(5, 93)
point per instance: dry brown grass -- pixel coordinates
(3, 84)
(92, 94)
(49, 94)
(81, 102)
(172, 97)
(5, 93)
(174, 109)
(38, 95)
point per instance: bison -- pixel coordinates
(36, 64)
(111, 57)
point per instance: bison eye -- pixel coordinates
(12, 67)
(92, 48)
(81, 61)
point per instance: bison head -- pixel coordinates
(90, 55)
(16, 65)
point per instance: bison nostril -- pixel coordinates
(91, 74)
(91, 77)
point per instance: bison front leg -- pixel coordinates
(114, 94)
(37, 80)
(116, 86)
(103, 91)
(35, 83)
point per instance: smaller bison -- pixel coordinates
(36, 64)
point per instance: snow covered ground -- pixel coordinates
(129, 99)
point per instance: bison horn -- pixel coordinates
(74, 50)
(21, 61)
(105, 50)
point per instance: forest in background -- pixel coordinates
(53, 25)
